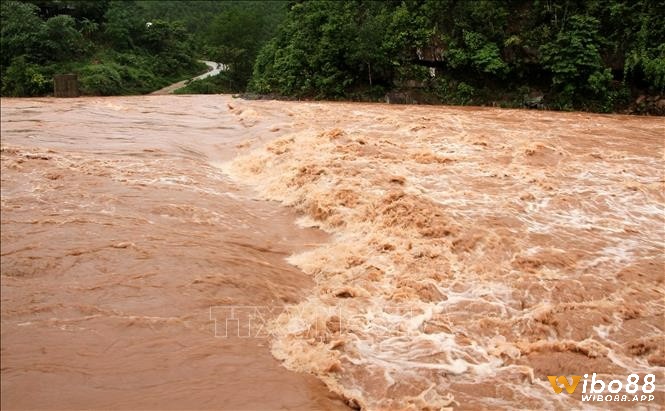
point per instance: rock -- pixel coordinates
(660, 104)
(533, 101)
(640, 99)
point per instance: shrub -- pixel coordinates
(24, 79)
(218, 84)
(100, 79)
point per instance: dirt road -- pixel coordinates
(214, 69)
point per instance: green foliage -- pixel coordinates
(161, 36)
(650, 63)
(476, 53)
(121, 25)
(60, 40)
(231, 31)
(484, 55)
(647, 56)
(113, 73)
(592, 55)
(20, 28)
(453, 92)
(325, 49)
(236, 35)
(221, 83)
(574, 55)
(100, 79)
(107, 43)
(24, 79)
(169, 43)
(584, 55)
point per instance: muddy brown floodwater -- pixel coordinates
(118, 235)
(402, 257)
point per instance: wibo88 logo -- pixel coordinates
(597, 392)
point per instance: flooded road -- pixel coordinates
(466, 253)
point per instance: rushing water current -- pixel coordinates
(396, 257)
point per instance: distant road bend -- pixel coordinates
(215, 68)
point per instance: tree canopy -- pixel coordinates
(112, 47)
(590, 54)
(594, 55)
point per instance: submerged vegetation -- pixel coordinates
(561, 54)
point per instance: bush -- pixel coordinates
(221, 83)
(60, 41)
(24, 79)
(452, 92)
(100, 79)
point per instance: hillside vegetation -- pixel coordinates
(595, 55)
(558, 54)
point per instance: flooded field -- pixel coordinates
(404, 257)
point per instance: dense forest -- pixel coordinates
(129, 47)
(560, 54)
(108, 44)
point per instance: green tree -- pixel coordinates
(308, 55)
(122, 25)
(236, 35)
(24, 79)
(646, 58)
(20, 31)
(60, 40)
(575, 62)
(169, 43)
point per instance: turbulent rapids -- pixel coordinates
(468, 253)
